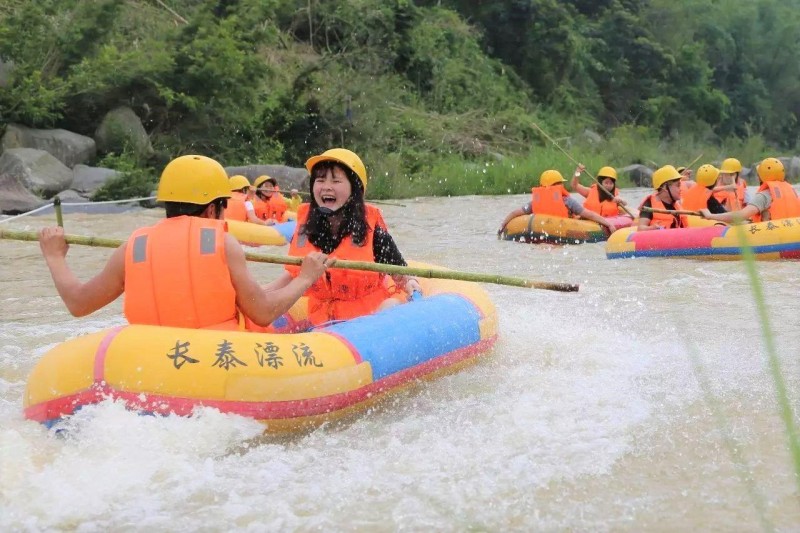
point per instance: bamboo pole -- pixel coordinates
(535, 125)
(59, 214)
(338, 263)
(673, 211)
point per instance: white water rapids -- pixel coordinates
(588, 415)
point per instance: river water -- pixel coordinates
(588, 415)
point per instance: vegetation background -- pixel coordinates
(438, 97)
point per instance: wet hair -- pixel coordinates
(601, 191)
(354, 218)
(179, 209)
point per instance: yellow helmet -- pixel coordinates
(550, 177)
(665, 174)
(707, 175)
(238, 182)
(343, 156)
(730, 165)
(607, 172)
(193, 179)
(771, 169)
(262, 179)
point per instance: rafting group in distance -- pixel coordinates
(695, 214)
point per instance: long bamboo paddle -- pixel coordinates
(672, 211)
(338, 263)
(535, 125)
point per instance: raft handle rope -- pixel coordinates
(70, 204)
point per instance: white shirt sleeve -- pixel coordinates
(248, 205)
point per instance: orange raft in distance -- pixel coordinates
(289, 381)
(559, 230)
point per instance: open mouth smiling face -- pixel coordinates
(332, 189)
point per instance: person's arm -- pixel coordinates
(82, 299)
(734, 216)
(261, 306)
(576, 186)
(512, 215)
(594, 217)
(645, 217)
(251, 215)
(385, 251)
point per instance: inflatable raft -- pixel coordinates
(258, 235)
(773, 240)
(559, 230)
(288, 381)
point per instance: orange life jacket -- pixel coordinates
(236, 209)
(684, 187)
(696, 197)
(606, 208)
(272, 208)
(176, 274)
(785, 203)
(341, 294)
(732, 200)
(665, 220)
(549, 201)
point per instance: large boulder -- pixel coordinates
(287, 177)
(66, 146)
(121, 129)
(640, 175)
(792, 166)
(37, 170)
(14, 197)
(87, 180)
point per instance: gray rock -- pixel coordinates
(88, 179)
(121, 129)
(37, 170)
(287, 177)
(66, 146)
(640, 175)
(792, 166)
(71, 196)
(14, 197)
(592, 136)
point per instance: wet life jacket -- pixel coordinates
(341, 294)
(665, 220)
(606, 208)
(696, 197)
(785, 203)
(549, 201)
(236, 209)
(176, 274)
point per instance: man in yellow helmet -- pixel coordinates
(185, 271)
(657, 210)
(551, 198)
(774, 200)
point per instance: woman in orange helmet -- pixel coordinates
(597, 199)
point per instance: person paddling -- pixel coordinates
(598, 200)
(774, 200)
(667, 186)
(731, 190)
(185, 271)
(701, 194)
(337, 221)
(269, 204)
(551, 198)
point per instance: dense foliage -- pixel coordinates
(409, 84)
